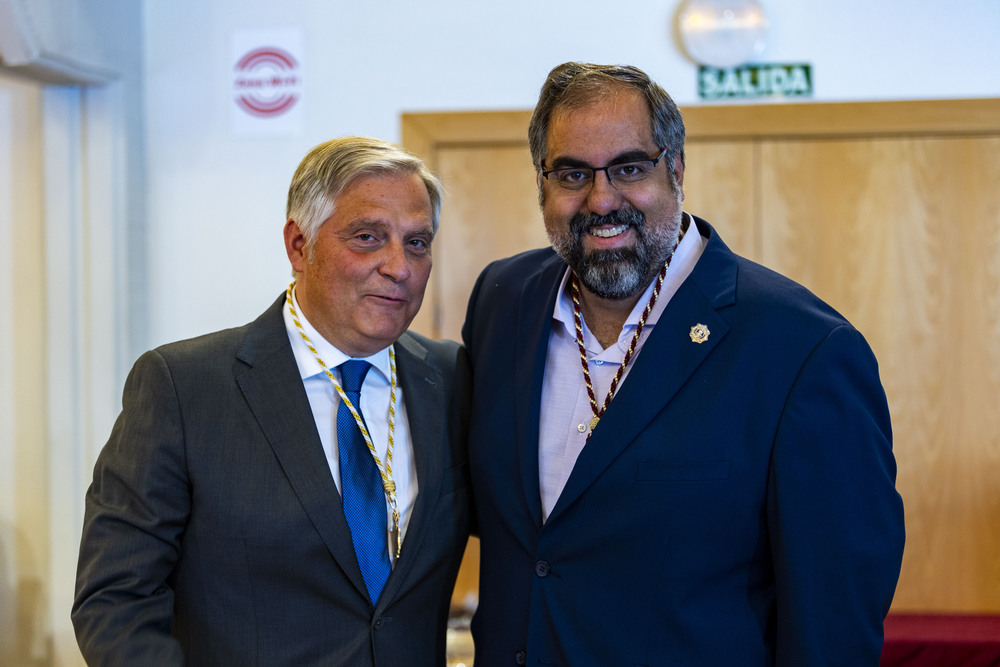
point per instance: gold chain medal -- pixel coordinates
(385, 471)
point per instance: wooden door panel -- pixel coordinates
(490, 212)
(903, 236)
(719, 183)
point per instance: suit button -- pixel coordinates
(378, 623)
(542, 568)
(520, 658)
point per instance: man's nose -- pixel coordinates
(395, 262)
(603, 197)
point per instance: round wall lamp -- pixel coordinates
(722, 33)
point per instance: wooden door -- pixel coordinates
(889, 211)
(904, 239)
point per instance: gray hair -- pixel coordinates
(333, 165)
(573, 85)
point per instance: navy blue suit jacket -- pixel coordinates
(735, 506)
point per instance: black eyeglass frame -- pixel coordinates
(593, 170)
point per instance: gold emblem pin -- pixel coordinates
(699, 333)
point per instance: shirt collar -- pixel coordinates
(331, 356)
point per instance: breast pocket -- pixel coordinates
(698, 471)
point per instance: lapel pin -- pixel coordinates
(699, 333)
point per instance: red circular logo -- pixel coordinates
(268, 82)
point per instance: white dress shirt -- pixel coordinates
(565, 409)
(324, 401)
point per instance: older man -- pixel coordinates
(691, 461)
(293, 491)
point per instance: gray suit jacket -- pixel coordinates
(214, 533)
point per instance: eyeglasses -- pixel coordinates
(620, 175)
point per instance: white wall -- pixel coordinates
(216, 201)
(71, 189)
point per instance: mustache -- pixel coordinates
(582, 222)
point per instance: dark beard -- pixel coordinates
(618, 273)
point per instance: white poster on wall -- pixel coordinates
(267, 82)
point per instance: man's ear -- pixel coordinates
(295, 246)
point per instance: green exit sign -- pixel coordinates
(755, 81)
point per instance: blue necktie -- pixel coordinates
(361, 486)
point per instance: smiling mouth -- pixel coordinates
(608, 232)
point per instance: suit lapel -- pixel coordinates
(274, 392)
(424, 392)
(533, 318)
(668, 359)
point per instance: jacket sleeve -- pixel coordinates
(136, 511)
(835, 518)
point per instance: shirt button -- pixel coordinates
(542, 568)
(581, 427)
(520, 658)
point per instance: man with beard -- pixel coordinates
(691, 461)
